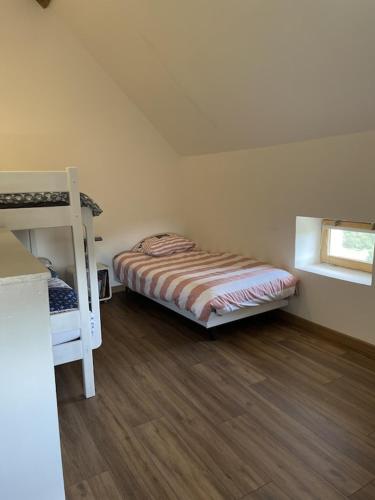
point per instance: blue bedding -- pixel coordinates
(61, 296)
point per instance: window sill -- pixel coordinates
(339, 273)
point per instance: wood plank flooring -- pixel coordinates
(264, 412)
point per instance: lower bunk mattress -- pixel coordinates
(60, 336)
(63, 299)
(202, 282)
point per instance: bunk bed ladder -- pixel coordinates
(92, 273)
(82, 289)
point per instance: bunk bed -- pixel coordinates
(33, 200)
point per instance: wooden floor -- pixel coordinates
(264, 412)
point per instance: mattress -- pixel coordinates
(202, 282)
(62, 337)
(45, 199)
(66, 326)
(63, 299)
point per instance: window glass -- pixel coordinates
(351, 245)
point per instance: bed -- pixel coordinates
(209, 288)
(33, 200)
(41, 199)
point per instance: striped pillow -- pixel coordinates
(165, 244)
(139, 246)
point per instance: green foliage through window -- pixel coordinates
(360, 241)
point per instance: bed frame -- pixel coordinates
(80, 221)
(214, 319)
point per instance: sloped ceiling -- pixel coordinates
(217, 75)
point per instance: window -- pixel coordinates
(348, 244)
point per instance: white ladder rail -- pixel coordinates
(92, 275)
(82, 289)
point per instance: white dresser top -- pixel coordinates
(16, 263)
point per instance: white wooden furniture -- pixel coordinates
(30, 457)
(102, 268)
(85, 319)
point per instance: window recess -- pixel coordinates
(348, 244)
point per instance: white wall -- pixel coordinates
(247, 201)
(220, 75)
(308, 241)
(58, 109)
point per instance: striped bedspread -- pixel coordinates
(202, 282)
